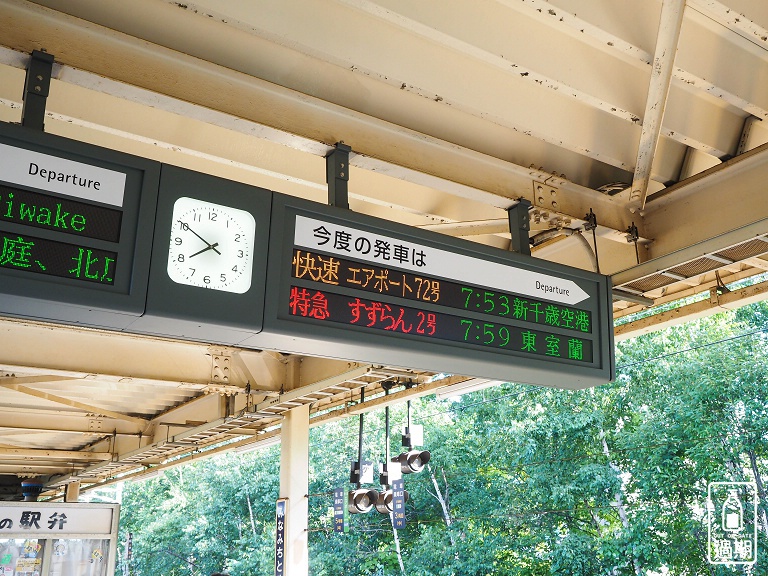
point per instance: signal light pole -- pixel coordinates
(412, 461)
(360, 500)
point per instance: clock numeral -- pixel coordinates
(234, 268)
(239, 253)
(197, 216)
(193, 271)
(212, 216)
(180, 258)
(177, 241)
(184, 225)
(237, 237)
(207, 279)
(223, 278)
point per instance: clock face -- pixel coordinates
(211, 246)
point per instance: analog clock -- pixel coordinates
(211, 246)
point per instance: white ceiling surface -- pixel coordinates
(454, 110)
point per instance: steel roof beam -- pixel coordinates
(744, 97)
(84, 430)
(722, 206)
(658, 90)
(12, 384)
(27, 469)
(11, 453)
(481, 174)
(713, 305)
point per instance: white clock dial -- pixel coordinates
(211, 246)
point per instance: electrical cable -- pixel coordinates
(530, 388)
(507, 516)
(599, 455)
(692, 348)
(615, 449)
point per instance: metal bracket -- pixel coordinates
(221, 363)
(223, 389)
(633, 235)
(337, 175)
(36, 87)
(590, 221)
(591, 224)
(721, 288)
(519, 227)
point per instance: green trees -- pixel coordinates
(523, 480)
(205, 517)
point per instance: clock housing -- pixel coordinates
(199, 218)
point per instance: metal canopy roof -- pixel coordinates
(650, 114)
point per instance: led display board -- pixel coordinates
(348, 286)
(95, 237)
(70, 215)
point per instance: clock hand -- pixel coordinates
(185, 226)
(211, 247)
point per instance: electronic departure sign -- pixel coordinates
(94, 237)
(348, 286)
(69, 219)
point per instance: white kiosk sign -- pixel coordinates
(57, 520)
(50, 538)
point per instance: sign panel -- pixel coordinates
(372, 248)
(70, 214)
(280, 537)
(222, 262)
(55, 520)
(349, 286)
(62, 176)
(398, 504)
(339, 510)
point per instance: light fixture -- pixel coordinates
(385, 502)
(412, 461)
(151, 474)
(362, 500)
(257, 444)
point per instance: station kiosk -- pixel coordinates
(58, 539)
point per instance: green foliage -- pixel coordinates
(195, 520)
(536, 481)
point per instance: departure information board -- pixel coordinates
(57, 258)
(60, 214)
(69, 219)
(414, 319)
(418, 299)
(63, 259)
(94, 237)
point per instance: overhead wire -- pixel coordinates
(531, 388)
(614, 450)
(506, 516)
